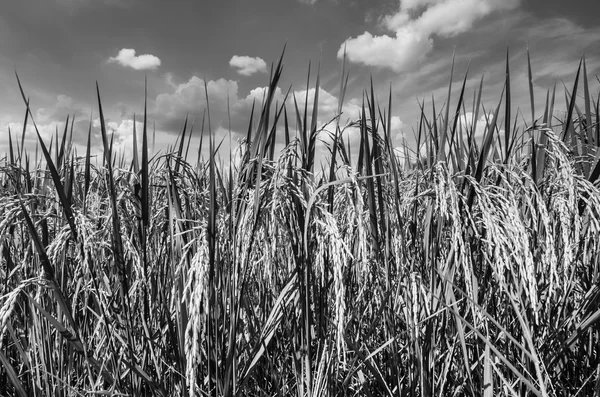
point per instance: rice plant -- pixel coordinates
(468, 265)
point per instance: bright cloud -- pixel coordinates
(127, 58)
(414, 27)
(328, 103)
(466, 121)
(122, 135)
(189, 99)
(400, 53)
(49, 120)
(452, 17)
(259, 94)
(396, 128)
(189, 95)
(247, 66)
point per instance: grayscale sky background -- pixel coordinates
(60, 48)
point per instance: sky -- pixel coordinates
(61, 48)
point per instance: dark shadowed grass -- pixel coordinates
(468, 265)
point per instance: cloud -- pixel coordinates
(328, 106)
(121, 133)
(396, 129)
(414, 27)
(64, 106)
(466, 121)
(310, 2)
(451, 17)
(247, 66)
(51, 119)
(259, 94)
(189, 99)
(127, 58)
(403, 52)
(48, 132)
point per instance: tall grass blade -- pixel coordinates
(457, 114)
(135, 157)
(441, 156)
(145, 166)
(65, 203)
(12, 376)
(507, 112)
(530, 81)
(485, 149)
(313, 124)
(588, 129)
(87, 166)
(568, 126)
(63, 143)
(26, 118)
(11, 156)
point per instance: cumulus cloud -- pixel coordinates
(49, 120)
(189, 99)
(189, 95)
(48, 132)
(247, 66)
(259, 94)
(414, 28)
(466, 121)
(121, 133)
(127, 58)
(328, 107)
(64, 106)
(400, 53)
(396, 129)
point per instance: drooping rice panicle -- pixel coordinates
(468, 264)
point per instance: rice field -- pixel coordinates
(468, 266)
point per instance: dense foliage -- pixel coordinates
(468, 267)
